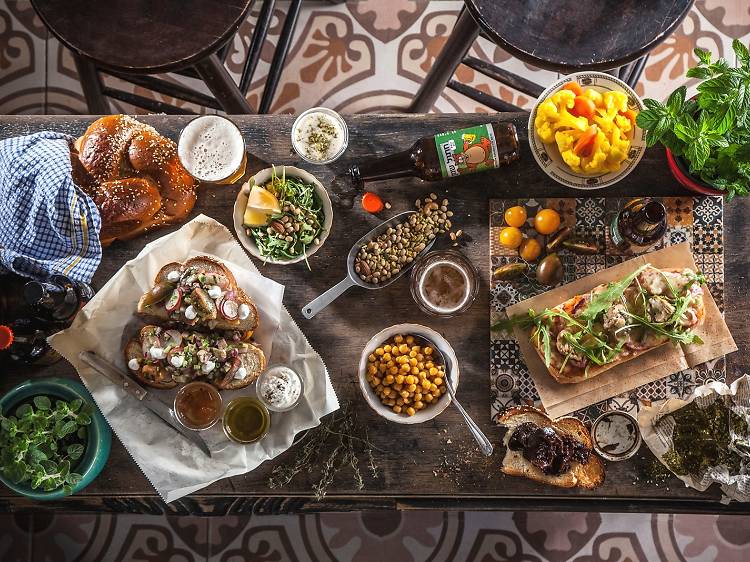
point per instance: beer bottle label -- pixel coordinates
(466, 151)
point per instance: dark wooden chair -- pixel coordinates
(134, 39)
(564, 36)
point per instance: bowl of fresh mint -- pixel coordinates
(707, 136)
(53, 439)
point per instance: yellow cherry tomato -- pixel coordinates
(547, 221)
(515, 216)
(511, 237)
(530, 249)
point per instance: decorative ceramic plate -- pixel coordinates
(548, 156)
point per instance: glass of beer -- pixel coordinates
(212, 150)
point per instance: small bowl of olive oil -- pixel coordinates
(246, 420)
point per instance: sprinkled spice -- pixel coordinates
(319, 137)
(702, 437)
(279, 388)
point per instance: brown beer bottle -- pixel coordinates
(445, 155)
(641, 222)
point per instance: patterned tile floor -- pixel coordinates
(376, 536)
(341, 56)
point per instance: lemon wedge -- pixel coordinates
(261, 204)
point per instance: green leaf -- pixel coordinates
(647, 119)
(703, 55)
(603, 300)
(42, 403)
(722, 120)
(65, 429)
(700, 72)
(24, 410)
(75, 405)
(743, 55)
(676, 99)
(74, 451)
(697, 154)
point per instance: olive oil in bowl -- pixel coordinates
(246, 420)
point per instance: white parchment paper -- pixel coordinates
(173, 465)
(657, 425)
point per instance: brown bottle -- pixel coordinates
(449, 154)
(641, 222)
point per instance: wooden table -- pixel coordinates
(411, 453)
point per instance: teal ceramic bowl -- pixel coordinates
(99, 435)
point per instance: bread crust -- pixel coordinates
(589, 475)
(581, 374)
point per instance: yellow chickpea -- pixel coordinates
(371, 358)
(399, 379)
(387, 348)
(407, 401)
(402, 360)
(429, 365)
(426, 384)
(393, 371)
(410, 339)
(388, 379)
(390, 402)
(404, 394)
(379, 388)
(418, 396)
(438, 381)
(434, 389)
(410, 411)
(372, 369)
(403, 348)
(414, 370)
(400, 401)
(427, 350)
(386, 356)
(412, 388)
(405, 368)
(428, 397)
(413, 362)
(420, 357)
(397, 408)
(419, 405)
(379, 351)
(398, 387)
(399, 338)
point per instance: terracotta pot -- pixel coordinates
(681, 173)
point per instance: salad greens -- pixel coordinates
(299, 224)
(712, 131)
(40, 444)
(585, 335)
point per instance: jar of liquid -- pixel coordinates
(444, 283)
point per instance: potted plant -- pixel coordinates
(707, 137)
(53, 439)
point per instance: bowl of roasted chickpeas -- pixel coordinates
(402, 378)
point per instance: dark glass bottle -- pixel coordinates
(449, 154)
(56, 300)
(25, 342)
(641, 222)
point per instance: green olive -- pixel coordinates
(550, 270)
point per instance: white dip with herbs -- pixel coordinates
(318, 136)
(280, 387)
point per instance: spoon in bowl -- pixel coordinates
(484, 443)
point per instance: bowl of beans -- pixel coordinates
(402, 378)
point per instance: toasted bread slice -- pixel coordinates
(154, 303)
(589, 475)
(570, 306)
(254, 362)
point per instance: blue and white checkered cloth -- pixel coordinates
(47, 223)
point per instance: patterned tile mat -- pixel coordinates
(697, 220)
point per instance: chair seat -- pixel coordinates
(145, 36)
(574, 35)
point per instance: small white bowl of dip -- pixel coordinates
(280, 388)
(320, 135)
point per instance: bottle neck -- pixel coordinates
(649, 217)
(398, 165)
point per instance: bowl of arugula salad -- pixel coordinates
(282, 215)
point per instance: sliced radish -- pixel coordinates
(229, 309)
(173, 338)
(173, 303)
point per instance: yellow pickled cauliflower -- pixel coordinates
(592, 130)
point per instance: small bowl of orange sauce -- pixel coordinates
(197, 405)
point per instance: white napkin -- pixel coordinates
(173, 465)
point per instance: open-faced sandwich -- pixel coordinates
(616, 322)
(164, 358)
(202, 292)
(552, 452)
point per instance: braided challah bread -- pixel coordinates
(133, 175)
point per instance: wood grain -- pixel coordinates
(411, 454)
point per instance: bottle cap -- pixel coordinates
(6, 337)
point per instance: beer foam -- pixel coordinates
(211, 148)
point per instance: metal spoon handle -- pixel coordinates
(318, 304)
(478, 434)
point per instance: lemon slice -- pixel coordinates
(263, 200)
(261, 204)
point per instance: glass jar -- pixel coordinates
(444, 283)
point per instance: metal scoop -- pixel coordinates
(353, 278)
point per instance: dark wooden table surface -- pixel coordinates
(410, 454)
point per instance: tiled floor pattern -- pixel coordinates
(377, 536)
(358, 56)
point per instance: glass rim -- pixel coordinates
(236, 127)
(265, 413)
(471, 271)
(331, 113)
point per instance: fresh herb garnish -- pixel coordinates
(41, 442)
(711, 132)
(601, 302)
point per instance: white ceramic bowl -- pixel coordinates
(379, 339)
(263, 177)
(548, 156)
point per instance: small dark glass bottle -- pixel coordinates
(641, 222)
(445, 155)
(55, 300)
(25, 342)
